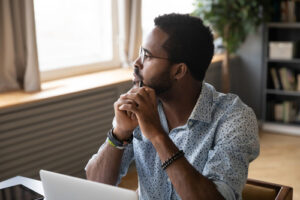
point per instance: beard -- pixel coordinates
(160, 83)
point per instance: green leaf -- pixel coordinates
(244, 16)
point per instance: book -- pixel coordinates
(284, 11)
(287, 78)
(282, 74)
(286, 112)
(278, 112)
(275, 79)
(298, 82)
(291, 17)
(291, 79)
(288, 11)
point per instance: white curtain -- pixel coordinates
(130, 19)
(18, 51)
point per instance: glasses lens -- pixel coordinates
(142, 55)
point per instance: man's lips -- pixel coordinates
(137, 81)
(136, 74)
(136, 78)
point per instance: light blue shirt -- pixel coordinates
(219, 139)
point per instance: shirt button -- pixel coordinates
(169, 180)
(190, 123)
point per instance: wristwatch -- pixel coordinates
(115, 142)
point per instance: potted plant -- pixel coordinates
(232, 20)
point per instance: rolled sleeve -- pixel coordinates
(224, 190)
(236, 145)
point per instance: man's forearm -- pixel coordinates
(187, 181)
(106, 166)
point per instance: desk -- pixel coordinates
(32, 184)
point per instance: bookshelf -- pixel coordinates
(296, 61)
(281, 90)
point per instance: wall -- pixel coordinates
(57, 134)
(245, 72)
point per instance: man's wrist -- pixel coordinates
(158, 136)
(121, 135)
(116, 142)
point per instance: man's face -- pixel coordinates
(154, 72)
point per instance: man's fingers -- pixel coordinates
(133, 116)
(129, 107)
(151, 93)
(123, 101)
(135, 97)
(144, 93)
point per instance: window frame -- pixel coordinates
(70, 71)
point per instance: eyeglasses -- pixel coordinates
(146, 54)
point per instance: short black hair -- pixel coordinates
(190, 41)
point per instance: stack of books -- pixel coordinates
(285, 10)
(287, 112)
(285, 79)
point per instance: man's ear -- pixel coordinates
(179, 71)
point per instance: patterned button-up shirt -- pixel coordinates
(219, 139)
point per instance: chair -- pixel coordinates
(260, 190)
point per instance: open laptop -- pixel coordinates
(62, 187)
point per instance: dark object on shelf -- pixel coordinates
(297, 10)
(276, 10)
(297, 49)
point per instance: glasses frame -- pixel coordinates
(143, 55)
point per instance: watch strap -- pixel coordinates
(114, 141)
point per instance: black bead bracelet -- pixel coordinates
(172, 159)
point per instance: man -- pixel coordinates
(189, 141)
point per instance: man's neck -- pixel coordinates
(179, 104)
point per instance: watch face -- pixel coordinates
(19, 192)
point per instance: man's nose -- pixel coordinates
(137, 63)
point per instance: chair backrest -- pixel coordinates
(260, 190)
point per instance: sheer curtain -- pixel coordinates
(18, 51)
(130, 30)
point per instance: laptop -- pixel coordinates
(62, 187)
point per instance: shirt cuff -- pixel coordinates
(225, 190)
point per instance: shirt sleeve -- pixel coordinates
(236, 144)
(127, 158)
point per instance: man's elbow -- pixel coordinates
(88, 172)
(91, 172)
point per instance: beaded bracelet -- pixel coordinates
(172, 159)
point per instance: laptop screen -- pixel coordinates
(19, 192)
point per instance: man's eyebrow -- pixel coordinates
(147, 51)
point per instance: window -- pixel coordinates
(75, 36)
(159, 7)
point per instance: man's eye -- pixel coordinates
(147, 56)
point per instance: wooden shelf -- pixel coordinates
(283, 92)
(282, 128)
(284, 25)
(294, 60)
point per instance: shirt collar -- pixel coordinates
(203, 107)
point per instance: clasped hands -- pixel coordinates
(137, 107)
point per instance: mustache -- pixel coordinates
(137, 73)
